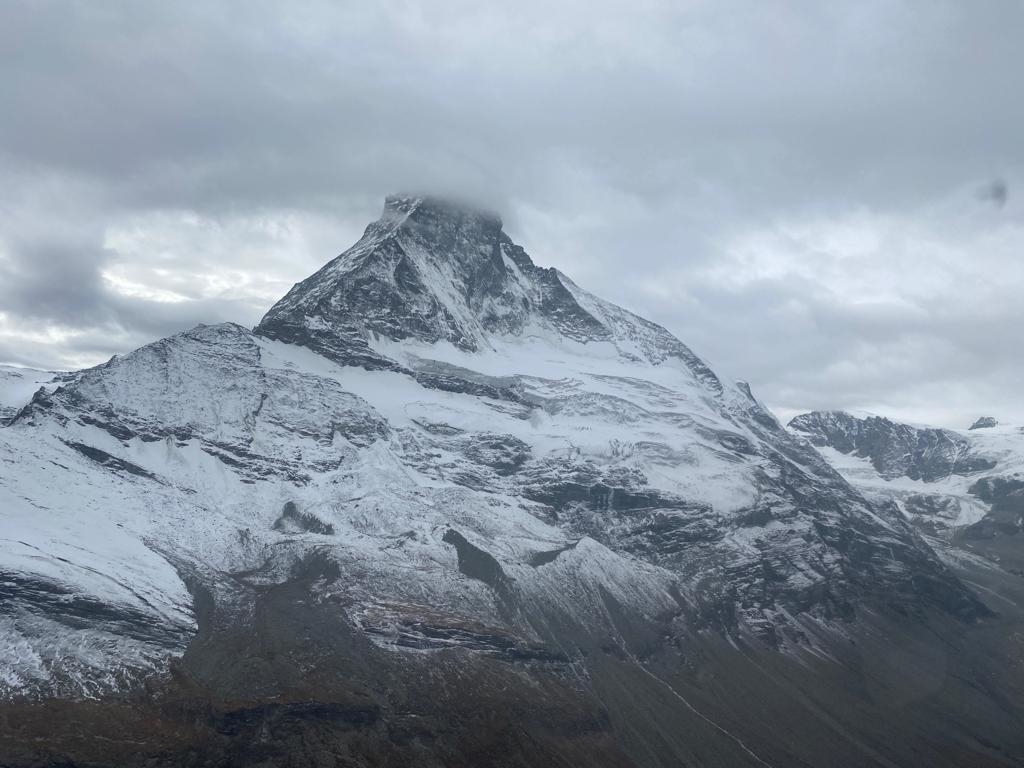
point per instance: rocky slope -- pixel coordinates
(894, 449)
(444, 507)
(953, 482)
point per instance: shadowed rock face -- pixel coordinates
(398, 281)
(1006, 516)
(444, 507)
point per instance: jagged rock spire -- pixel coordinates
(437, 270)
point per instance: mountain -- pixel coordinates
(943, 480)
(444, 507)
(894, 449)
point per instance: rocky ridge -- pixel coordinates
(944, 481)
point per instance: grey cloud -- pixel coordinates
(56, 282)
(59, 284)
(240, 104)
(627, 147)
(803, 349)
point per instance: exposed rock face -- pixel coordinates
(430, 270)
(984, 422)
(17, 385)
(1005, 495)
(894, 449)
(444, 507)
(958, 488)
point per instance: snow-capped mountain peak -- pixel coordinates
(434, 467)
(438, 271)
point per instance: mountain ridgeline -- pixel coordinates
(963, 489)
(444, 507)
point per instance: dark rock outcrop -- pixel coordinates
(984, 422)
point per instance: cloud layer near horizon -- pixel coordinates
(817, 197)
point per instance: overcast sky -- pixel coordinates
(824, 199)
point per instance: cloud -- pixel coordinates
(912, 315)
(53, 281)
(815, 196)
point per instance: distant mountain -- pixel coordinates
(444, 507)
(984, 422)
(943, 480)
(894, 450)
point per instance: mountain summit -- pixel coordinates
(444, 507)
(438, 271)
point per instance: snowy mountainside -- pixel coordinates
(17, 385)
(433, 459)
(943, 480)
